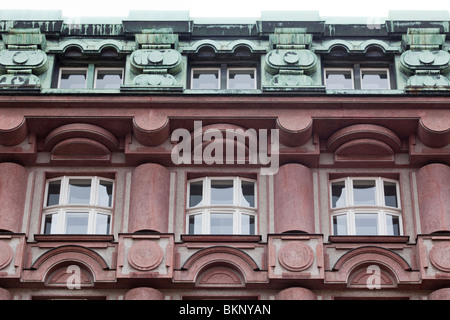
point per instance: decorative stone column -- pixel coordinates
(294, 199)
(143, 293)
(149, 207)
(13, 186)
(434, 197)
(296, 293)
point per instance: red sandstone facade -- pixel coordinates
(139, 243)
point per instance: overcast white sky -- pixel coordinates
(227, 8)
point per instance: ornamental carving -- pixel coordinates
(145, 255)
(440, 256)
(296, 256)
(6, 254)
(166, 59)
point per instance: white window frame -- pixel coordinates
(107, 69)
(63, 207)
(350, 209)
(219, 76)
(204, 208)
(325, 70)
(62, 69)
(242, 69)
(375, 69)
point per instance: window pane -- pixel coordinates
(205, 79)
(339, 79)
(241, 79)
(103, 224)
(195, 193)
(364, 192)
(247, 224)
(108, 79)
(366, 224)
(248, 194)
(79, 191)
(390, 194)
(54, 189)
(77, 222)
(50, 224)
(221, 223)
(340, 225)
(338, 194)
(393, 225)
(221, 192)
(73, 79)
(105, 190)
(374, 79)
(195, 224)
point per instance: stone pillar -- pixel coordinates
(294, 199)
(149, 202)
(441, 294)
(433, 185)
(296, 293)
(13, 188)
(143, 293)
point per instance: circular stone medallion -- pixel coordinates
(296, 256)
(6, 254)
(440, 256)
(145, 255)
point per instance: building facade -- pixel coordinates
(158, 156)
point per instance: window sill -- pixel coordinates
(219, 238)
(368, 239)
(74, 237)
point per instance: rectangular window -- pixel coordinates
(240, 78)
(375, 79)
(364, 192)
(339, 78)
(366, 224)
(221, 223)
(108, 78)
(77, 222)
(340, 225)
(247, 224)
(338, 194)
(79, 191)
(54, 189)
(205, 78)
(72, 78)
(221, 192)
(195, 193)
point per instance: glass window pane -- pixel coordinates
(374, 79)
(248, 194)
(195, 224)
(77, 222)
(392, 225)
(73, 79)
(50, 224)
(221, 192)
(103, 224)
(338, 192)
(79, 191)
(340, 225)
(105, 190)
(221, 223)
(364, 192)
(390, 194)
(247, 224)
(339, 79)
(195, 193)
(205, 79)
(54, 189)
(108, 79)
(366, 224)
(241, 79)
